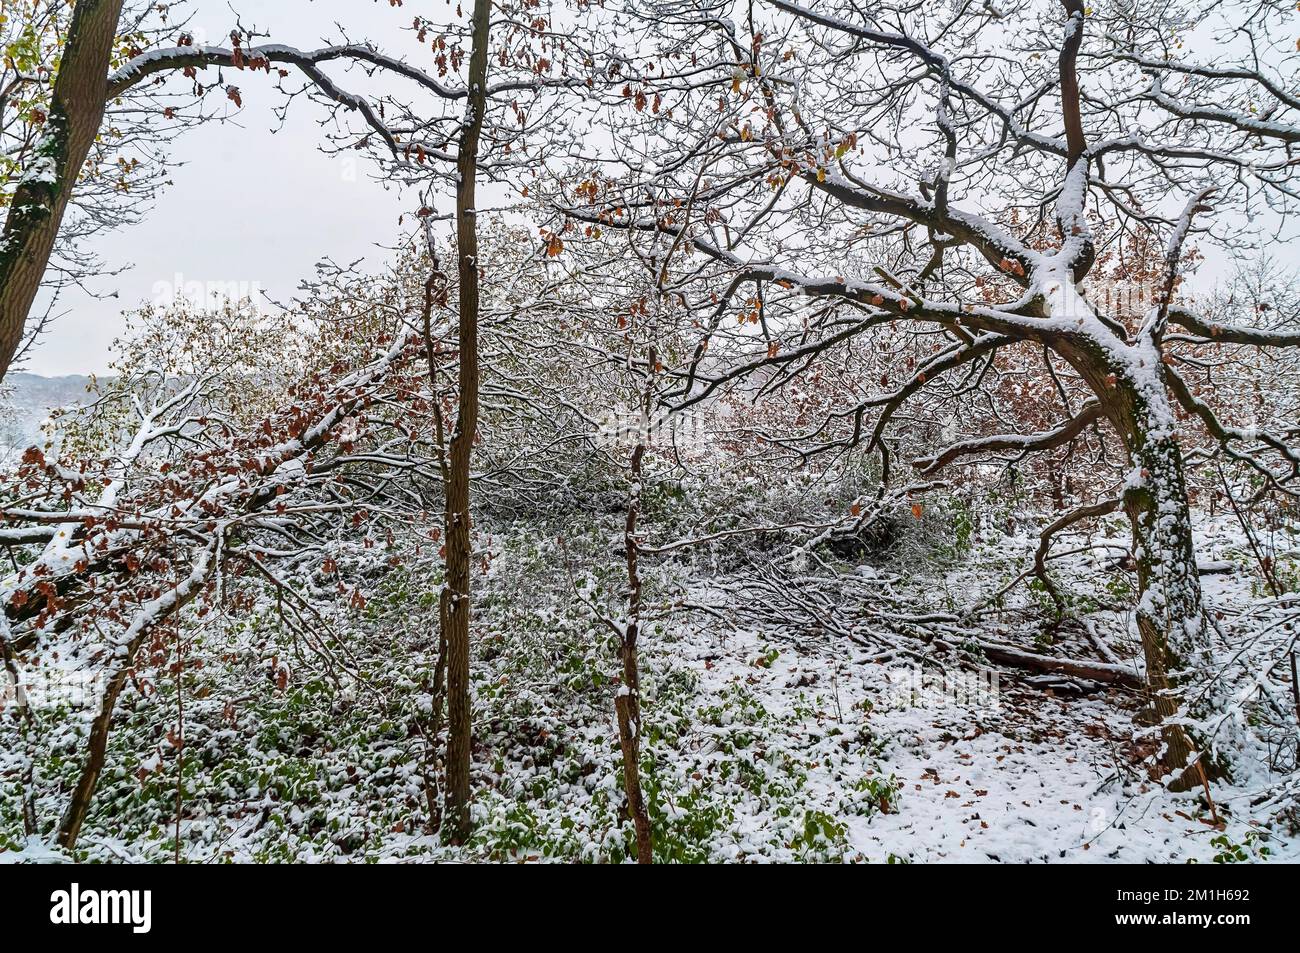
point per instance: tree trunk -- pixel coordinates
(37, 206)
(1169, 613)
(1170, 616)
(96, 748)
(627, 703)
(155, 613)
(457, 527)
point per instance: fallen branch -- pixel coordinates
(1106, 672)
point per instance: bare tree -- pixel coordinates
(787, 143)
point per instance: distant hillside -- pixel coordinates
(26, 401)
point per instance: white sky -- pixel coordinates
(248, 207)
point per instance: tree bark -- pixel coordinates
(156, 613)
(1170, 616)
(456, 819)
(38, 204)
(627, 703)
(96, 748)
(1169, 612)
(1067, 64)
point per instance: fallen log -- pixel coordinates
(1097, 671)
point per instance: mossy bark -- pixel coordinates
(37, 206)
(1170, 614)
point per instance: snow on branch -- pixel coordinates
(1023, 443)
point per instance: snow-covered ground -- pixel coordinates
(834, 713)
(1025, 777)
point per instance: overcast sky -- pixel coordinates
(248, 206)
(252, 208)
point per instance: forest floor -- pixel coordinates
(1001, 765)
(837, 712)
(1032, 776)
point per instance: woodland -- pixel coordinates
(777, 431)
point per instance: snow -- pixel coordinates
(43, 170)
(808, 691)
(779, 742)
